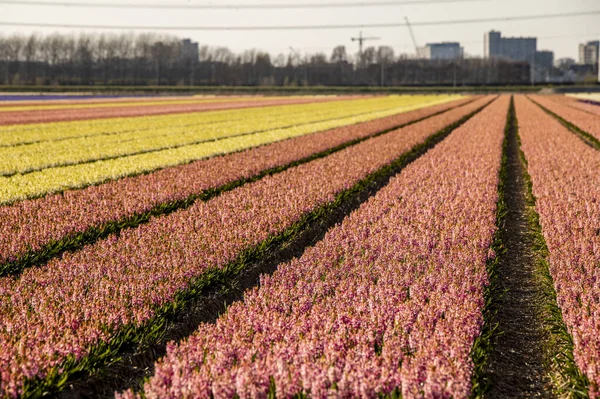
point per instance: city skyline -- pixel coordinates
(560, 35)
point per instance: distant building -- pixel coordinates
(544, 59)
(588, 52)
(511, 48)
(564, 63)
(189, 50)
(442, 51)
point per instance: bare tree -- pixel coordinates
(367, 57)
(124, 51)
(339, 54)
(263, 69)
(318, 59)
(385, 55)
(50, 53)
(279, 61)
(4, 59)
(150, 58)
(165, 52)
(84, 58)
(223, 54)
(14, 51)
(31, 55)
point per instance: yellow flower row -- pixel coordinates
(38, 183)
(119, 104)
(36, 156)
(19, 134)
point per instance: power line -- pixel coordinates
(303, 27)
(233, 6)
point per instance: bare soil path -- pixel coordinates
(516, 363)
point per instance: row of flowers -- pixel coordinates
(56, 115)
(21, 100)
(587, 122)
(41, 182)
(586, 102)
(35, 133)
(32, 225)
(389, 301)
(72, 151)
(120, 103)
(65, 308)
(565, 180)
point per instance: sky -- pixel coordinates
(561, 35)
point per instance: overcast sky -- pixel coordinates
(561, 35)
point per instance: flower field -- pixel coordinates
(121, 218)
(17, 106)
(573, 114)
(283, 330)
(106, 110)
(38, 222)
(57, 151)
(566, 186)
(52, 164)
(580, 102)
(593, 98)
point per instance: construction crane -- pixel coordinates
(412, 36)
(361, 39)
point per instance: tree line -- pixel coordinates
(154, 59)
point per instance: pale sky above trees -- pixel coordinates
(561, 35)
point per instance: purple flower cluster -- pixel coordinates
(50, 98)
(587, 122)
(391, 298)
(578, 102)
(30, 225)
(564, 173)
(65, 307)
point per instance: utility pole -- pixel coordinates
(157, 72)
(598, 65)
(192, 68)
(533, 68)
(361, 39)
(454, 74)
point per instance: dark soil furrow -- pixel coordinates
(516, 365)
